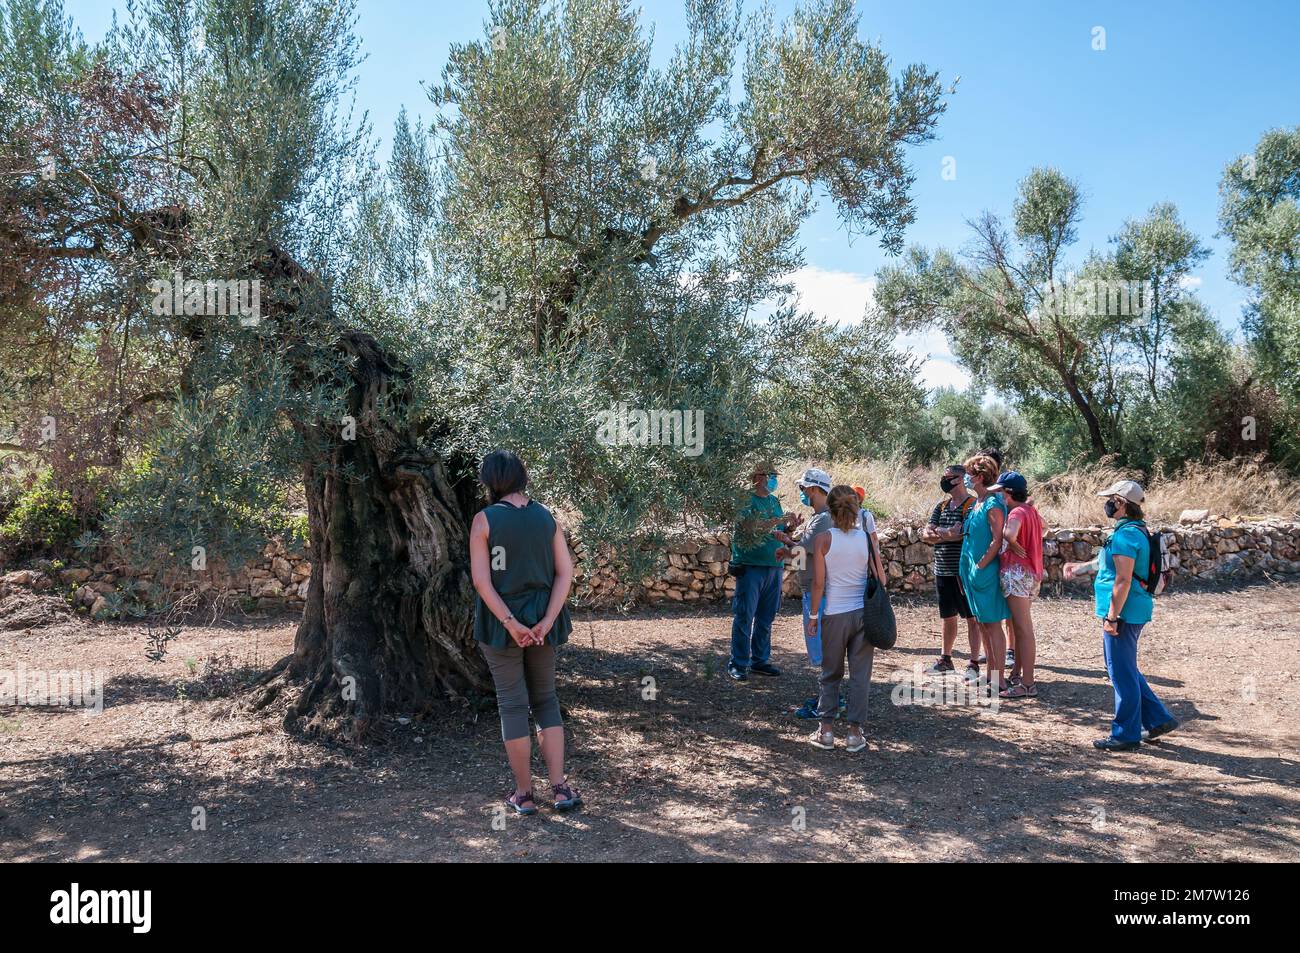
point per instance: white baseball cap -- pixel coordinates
(1127, 489)
(814, 477)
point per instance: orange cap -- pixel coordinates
(861, 492)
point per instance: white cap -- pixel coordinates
(814, 477)
(1127, 489)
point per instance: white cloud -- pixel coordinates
(845, 297)
(1190, 281)
(842, 296)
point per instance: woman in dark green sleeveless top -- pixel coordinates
(522, 572)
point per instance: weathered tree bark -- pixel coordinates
(386, 627)
(388, 614)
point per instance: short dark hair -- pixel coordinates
(956, 467)
(1019, 496)
(502, 473)
(993, 452)
(1132, 510)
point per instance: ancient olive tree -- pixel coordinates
(577, 233)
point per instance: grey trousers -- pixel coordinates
(524, 679)
(843, 637)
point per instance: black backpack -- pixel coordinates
(1158, 573)
(1160, 570)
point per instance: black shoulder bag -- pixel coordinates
(877, 613)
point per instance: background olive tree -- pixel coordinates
(1108, 355)
(1260, 214)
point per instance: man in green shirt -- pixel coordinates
(758, 551)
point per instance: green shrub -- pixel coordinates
(42, 519)
(12, 486)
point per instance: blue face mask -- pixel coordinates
(803, 498)
(771, 484)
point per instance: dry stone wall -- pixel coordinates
(1205, 548)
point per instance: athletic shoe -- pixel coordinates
(972, 674)
(765, 668)
(1011, 659)
(807, 710)
(1159, 730)
(1111, 744)
(822, 739)
(942, 667)
(736, 672)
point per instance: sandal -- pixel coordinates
(1019, 690)
(566, 798)
(522, 803)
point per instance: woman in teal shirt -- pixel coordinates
(1124, 606)
(978, 571)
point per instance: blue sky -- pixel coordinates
(1181, 89)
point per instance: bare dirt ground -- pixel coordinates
(710, 769)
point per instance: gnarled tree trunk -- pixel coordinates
(388, 613)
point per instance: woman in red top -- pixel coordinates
(1021, 575)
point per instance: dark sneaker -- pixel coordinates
(736, 672)
(807, 710)
(943, 666)
(765, 668)
(1112, 744)
(1159, 730)
(972, 674)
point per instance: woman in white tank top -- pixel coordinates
(841, 563)
(846, 570)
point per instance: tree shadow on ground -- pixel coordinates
(696, 768)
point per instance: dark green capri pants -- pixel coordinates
(524, 679)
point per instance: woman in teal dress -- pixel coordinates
(981, 544)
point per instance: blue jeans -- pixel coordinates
(1136, 705)
(814, 645)
(753, 607)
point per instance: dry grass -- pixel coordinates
(904, 494)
